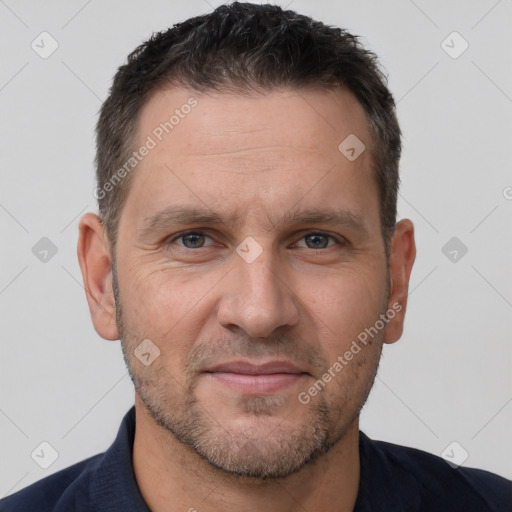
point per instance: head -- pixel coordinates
(247, 167)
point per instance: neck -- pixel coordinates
(172, 477)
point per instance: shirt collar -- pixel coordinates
(113, 486)
(384, 486)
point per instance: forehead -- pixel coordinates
(256, 152)
(288, 117)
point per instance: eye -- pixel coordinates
(319, 240)
(192, 239)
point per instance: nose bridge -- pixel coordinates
(255, 298)
(263, 288)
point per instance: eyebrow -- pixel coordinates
(183, 215)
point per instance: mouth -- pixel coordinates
(256, 379)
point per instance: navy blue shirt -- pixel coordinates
(393, 479)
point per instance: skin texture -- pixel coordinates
(312, 289)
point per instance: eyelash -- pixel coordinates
(338, 241)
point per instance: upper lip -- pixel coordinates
(245, 367)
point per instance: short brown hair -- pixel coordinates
(243, 47)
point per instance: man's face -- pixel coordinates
(250, 253)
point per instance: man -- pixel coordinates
(247, 255)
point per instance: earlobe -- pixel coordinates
(96, 266)
(401, 260)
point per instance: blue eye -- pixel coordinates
(318, 240)
(193, 240)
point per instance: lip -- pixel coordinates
(247, 368)
(256, 379)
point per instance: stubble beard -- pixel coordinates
(254, 453)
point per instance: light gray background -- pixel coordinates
(448, 379)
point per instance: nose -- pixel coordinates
(257, 297)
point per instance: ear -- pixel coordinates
(96, 266)
(401, 259)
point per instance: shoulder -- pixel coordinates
(44, 495)
(459, 488)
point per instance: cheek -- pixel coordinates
(166, 305)
(344, 303)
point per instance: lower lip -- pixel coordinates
(256, 384)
